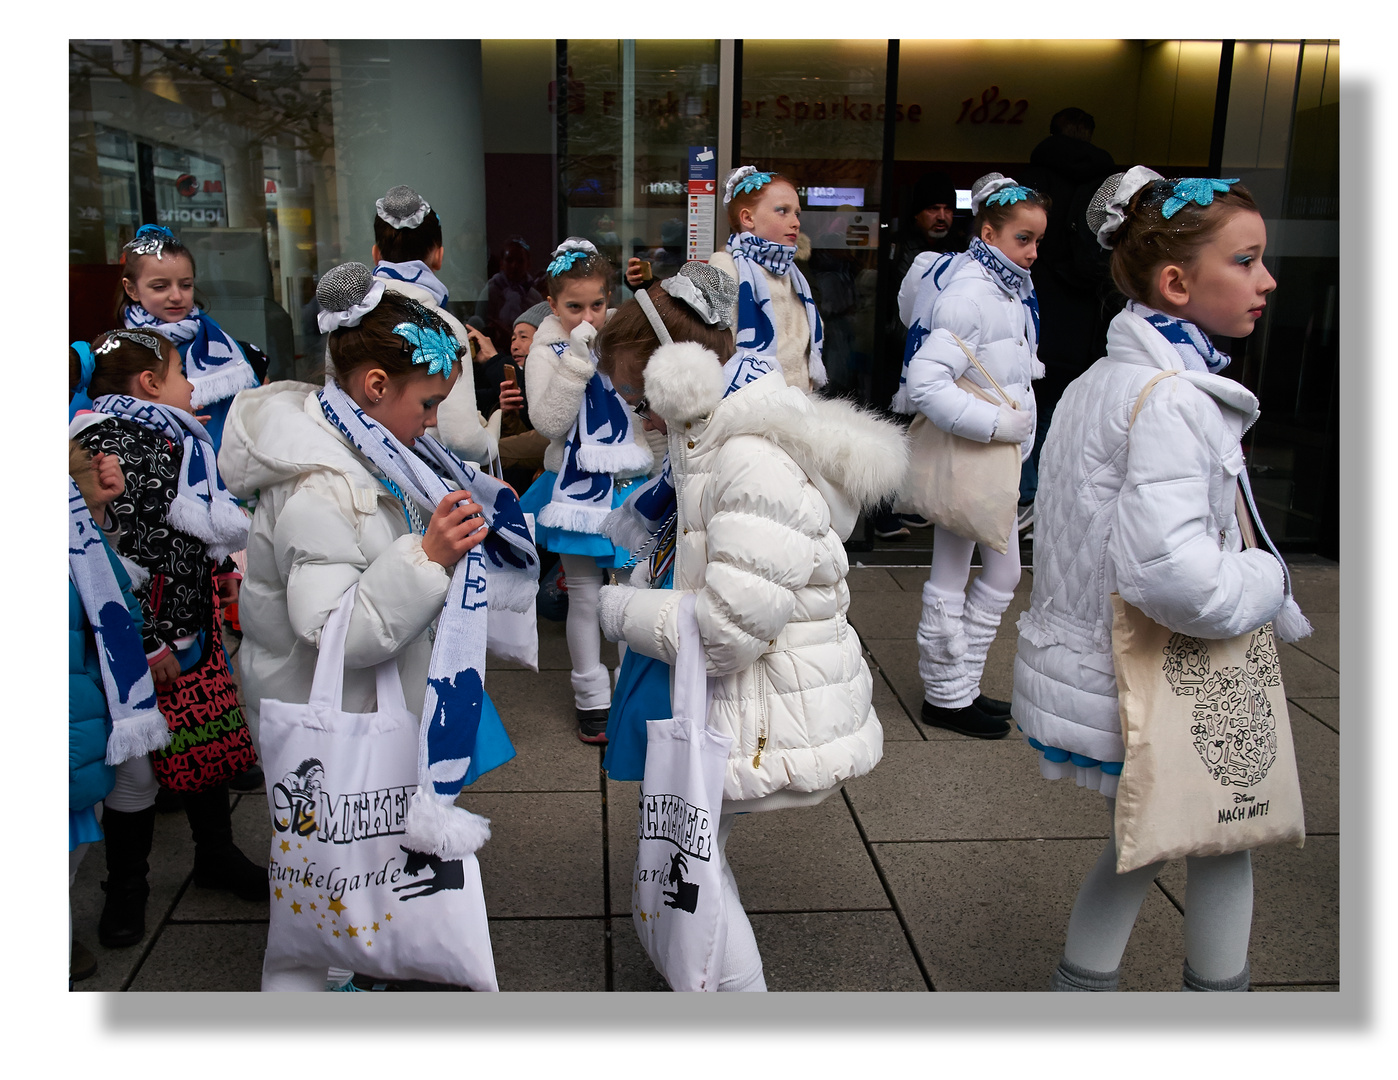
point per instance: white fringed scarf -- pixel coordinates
(501, 572)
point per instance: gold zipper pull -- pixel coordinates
(757, 757)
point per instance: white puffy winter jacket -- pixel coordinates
(995, 327)
(322, 522)
(554, 385)
(768, 481)
(1152, 519)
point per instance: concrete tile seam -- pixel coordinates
(888, 891)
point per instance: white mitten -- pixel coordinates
(1013, 425)
(582, 337)
(611, 609)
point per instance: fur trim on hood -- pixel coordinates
(847, 447)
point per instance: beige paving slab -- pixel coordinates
(810, 859)
(1318, 766)
(252, 832)
(971, 790)
(1321, 987)
(217, 957)
(835, 950)
(885, 614)
(1316, 588)
(909, 578)
(1304, 676)
(549, 954)
(871, 579)
(893, 717)
(1326, 710)
(897, 660)
(544, 856)
(1324, 642)
(1295, 911)
(994, 916)
(537, 710)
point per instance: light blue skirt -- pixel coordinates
(566, 541)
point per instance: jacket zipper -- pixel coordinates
(761, 714)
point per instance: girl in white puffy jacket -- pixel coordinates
(988, 303)
(1150, 517)
(597, 453)
(768, 482)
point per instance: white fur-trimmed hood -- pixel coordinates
(851, 449)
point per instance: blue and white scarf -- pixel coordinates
(202, 506)
(1196, 351)
(651, 507)
(138, 727)
(1015, 280)
(501, 572)
(415, 272)
(213, 361)
(936, 272)
(755, 334)
(599, 445)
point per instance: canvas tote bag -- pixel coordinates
(1210, 767)
(346, 893)
(969, 487)
(677, 887)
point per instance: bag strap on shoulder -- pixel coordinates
(1145, 393)
(981, 368)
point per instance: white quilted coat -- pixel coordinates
(769, 481)
(554, 386)
(994, 326)
(1153, 520)
(322, 522)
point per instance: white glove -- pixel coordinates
(611, 609)
(582, 337)
(1013, 425)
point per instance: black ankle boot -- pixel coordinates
(128, 841)
(992, 706)
(968, 720)
(218, 864)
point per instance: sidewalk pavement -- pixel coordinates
(952, 866)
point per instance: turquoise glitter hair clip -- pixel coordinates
(435, 348)
(565, 262)
(1194, 189)
(150, 240)
(1010, 195)
(752, 182)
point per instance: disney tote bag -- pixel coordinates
(346, 893)
(1210, 767)
(676, 895)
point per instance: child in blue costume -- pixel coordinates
(157, 281)
(597, 453)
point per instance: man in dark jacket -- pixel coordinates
(1071, 275)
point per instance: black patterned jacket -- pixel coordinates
(177, 601)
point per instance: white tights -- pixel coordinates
(957, 624)
(592, 683)
(1217, 916)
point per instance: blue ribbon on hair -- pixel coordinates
(752, 182)
(1194, 189)
(155, 230)
(1010, 195)
(565, 262)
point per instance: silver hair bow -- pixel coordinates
(1107, 211)
(708, 291)
(346, 294)
(402, 207)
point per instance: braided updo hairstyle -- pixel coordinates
(1147, 240)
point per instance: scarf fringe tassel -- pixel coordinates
(1290, 622)
(633, 457)
(437, 825)
(209, 389)
(583, 519)
(137, 735)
